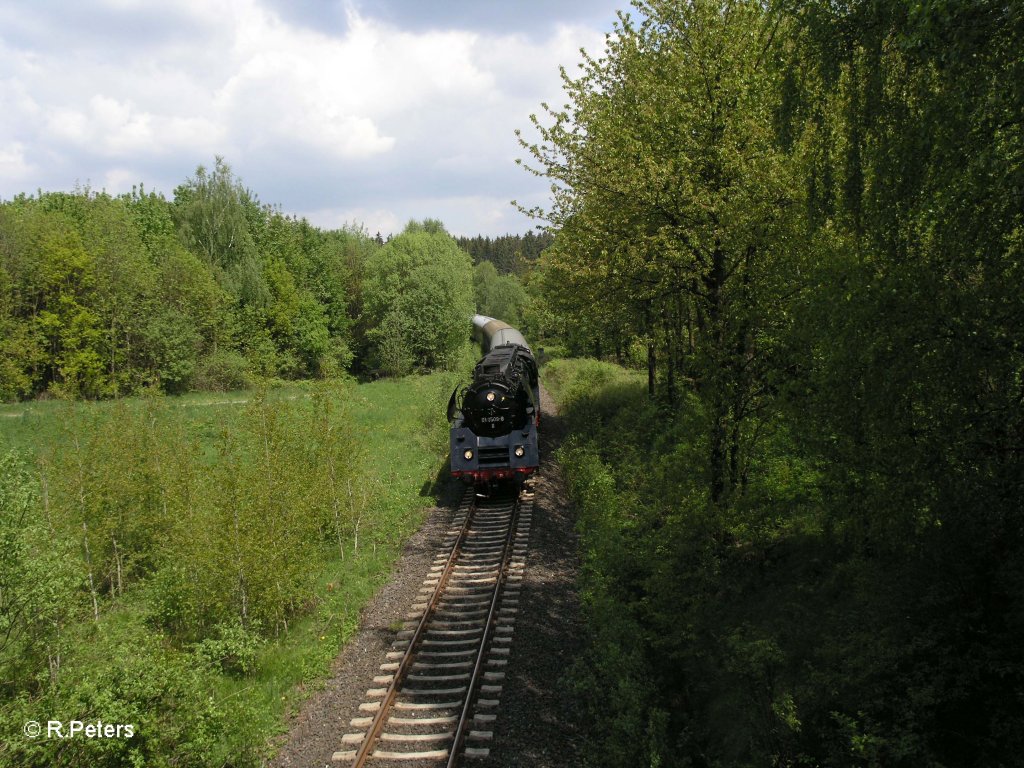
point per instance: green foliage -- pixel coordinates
(676, 211)
(51, 276)
(104, 296)
(189, 565)
(21, 348)
(213, 212)
(500, 296)
(233, 649)
(37, 579)
(391, 350)
(697, 649)
(617, 682)
(909, 389)
(808, 216)
(223, 371)
(851, 594)
(240, 540)
(174, 344)
(418, 299)
(123, 674)
(509, 254)
(193, 310)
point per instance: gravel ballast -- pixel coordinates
(537, 724)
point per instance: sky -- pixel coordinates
(346, 112)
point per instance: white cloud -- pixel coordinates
(472, 214)
(373, 220)
(369, 123)
(333, 92)
(462, 215)
(118, 128)
(118, 180)
(13, 164)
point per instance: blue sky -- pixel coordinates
(344, 112)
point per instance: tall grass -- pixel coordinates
(197, 562)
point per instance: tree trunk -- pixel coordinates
(88, 565)
(714, 282)
(652, 361)
(717, 459)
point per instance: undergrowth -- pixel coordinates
(191, 566)
(757, 632)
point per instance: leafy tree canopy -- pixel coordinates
(418, 298)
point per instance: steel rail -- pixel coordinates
(373, 734)
(454, 754)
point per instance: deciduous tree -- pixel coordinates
(418, 297)
(675, 207)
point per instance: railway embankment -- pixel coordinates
(537, 721)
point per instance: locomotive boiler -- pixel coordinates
(495, 418)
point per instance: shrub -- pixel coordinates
(233, 650)
(223, 371)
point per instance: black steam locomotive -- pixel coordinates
(494, 420)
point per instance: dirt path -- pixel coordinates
(537, 724)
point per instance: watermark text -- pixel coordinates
(78, 729)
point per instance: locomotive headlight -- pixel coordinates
(520, 451)
(490, 397)
(467, 454)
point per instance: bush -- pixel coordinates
(233, 650)
(123, 675)
(38, 581)
(223, 371)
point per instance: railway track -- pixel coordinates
(436, 699)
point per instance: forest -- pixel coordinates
(105, 296)
(221, 424)
(797, 228)
(510, 254)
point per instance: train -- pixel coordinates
(494, 420)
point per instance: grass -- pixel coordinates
(406, 446)
(403, 445)
(31, 426)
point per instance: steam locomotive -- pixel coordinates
(494, 419)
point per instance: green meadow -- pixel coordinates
(191, 565)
